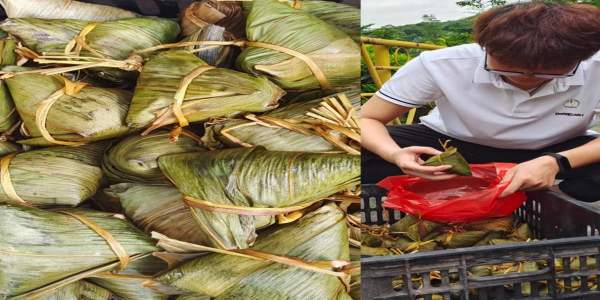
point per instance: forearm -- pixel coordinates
(376, 138)
(583, 155)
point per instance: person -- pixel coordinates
(526, 92)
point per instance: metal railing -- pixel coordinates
(381, 70)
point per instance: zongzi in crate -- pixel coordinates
(135, 159)
(213, 93)
(160, 209)
(452, 157)
(223, 13)
(288, 128)
(52, 176)
(320, 236)
(344, 17)
(40, 247)
(74, 117)
(279, 27)
(64, 9)
(235, 191)
(109, 41)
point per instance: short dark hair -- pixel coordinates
(539, 35)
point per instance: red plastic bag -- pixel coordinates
(456, 200)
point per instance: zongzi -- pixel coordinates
(282, 129)
(235, 191)
(64, 9)
(342, 16)
(52, 176)
(160, 209)
(216, 56)
(128, 284)
(320, 236)
(79, 290)
(83, 115)
(334, 57)
(134, 159)
(223, 13)
(213, 93)
(452, 157)
(39, 247)
(113, 40)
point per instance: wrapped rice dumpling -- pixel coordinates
(284, 133)
(41, 247)
(459, 239)
(221, 56)
(160, 209)
(450, 157)
(53, 176)
(86, 114)
(213, 93)
(8, 57)
(414, 228)
(250, 183)
(63, 9)
(128, 284)
(8, 147)
(342, 16)
(112, 40)
(223, 13)
(79, 290)
(134, 159)
(335, 54)
(320, 236)
(192, 296)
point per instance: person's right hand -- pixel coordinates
(408, 159)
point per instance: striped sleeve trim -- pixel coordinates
(394, 100)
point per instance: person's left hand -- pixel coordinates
(536, 174)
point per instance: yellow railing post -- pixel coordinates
(381, 71)
(382, 58)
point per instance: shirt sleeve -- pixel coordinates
(411, 86)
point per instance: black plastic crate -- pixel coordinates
(570, 227)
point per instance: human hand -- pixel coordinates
(408, 159)
(536, 174)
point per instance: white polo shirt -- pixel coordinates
(479, 107)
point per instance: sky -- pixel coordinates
(402, 12)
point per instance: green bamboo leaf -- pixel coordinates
(135, 159)
(275, 23)
(91, 114)
(343, 17)
(59, 175)
(255, 178)
(160, 209)
(41, 247)
(214, 93)
(64, 9)
(319, 236)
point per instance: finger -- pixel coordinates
(420, 161)
(512, 187)
(424, 150)
(508, 176)
(431, 169)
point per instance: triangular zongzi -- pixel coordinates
(254, 179)
(64, 9)
(320, 236)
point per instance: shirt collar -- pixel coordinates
(559, 84)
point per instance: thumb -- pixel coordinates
(508, 176)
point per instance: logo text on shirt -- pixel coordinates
(567, 114)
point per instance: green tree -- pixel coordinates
(432, 28)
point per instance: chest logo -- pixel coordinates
(571, 103)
